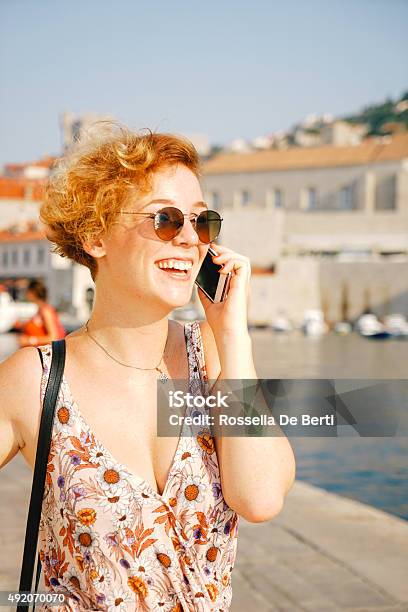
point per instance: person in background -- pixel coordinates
(45, 325)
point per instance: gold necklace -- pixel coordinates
(163, 376)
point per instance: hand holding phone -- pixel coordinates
(211, 282)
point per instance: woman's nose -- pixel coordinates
(187, 234)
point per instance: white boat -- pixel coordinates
(396, 325)
(313, 323)
(343, 328)
(369, 326)
(10, 311)
(282, 324)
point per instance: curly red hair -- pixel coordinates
(92, 181)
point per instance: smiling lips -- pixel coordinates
(178, 264)
(176, 268)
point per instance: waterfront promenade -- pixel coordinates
(322, 553)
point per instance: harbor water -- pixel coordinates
(371, 470)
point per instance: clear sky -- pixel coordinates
(225, 68)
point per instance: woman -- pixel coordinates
(45, 325)
(131, 520)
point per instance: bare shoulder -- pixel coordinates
(211, 357)
(20, 379)
(74, 334)
(19, 374)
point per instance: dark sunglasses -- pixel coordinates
(169, 221)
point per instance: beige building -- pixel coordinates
(332, 221)
(343, 133)
(25, 255)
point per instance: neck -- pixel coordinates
(134, 333)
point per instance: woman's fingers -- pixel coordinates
(220, 248)
(235, 264)
(227, 256)
(223, 257)
(231, 261)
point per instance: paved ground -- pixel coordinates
(322, 553)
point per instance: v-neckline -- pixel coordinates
(132, 475)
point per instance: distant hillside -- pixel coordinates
(388, 117)
(384, 118)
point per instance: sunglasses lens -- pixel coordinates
(167, 223)
(208, 225)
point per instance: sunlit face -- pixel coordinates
(133, 250)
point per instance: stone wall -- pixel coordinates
(337, 287)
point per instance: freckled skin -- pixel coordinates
(132, 247)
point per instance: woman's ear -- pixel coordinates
(95, 246)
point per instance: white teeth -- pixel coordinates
(176, 264)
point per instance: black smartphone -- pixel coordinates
(214, 284)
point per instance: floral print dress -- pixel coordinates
(109, 541)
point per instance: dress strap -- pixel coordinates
(196, 360)
(45, 351)
(198, 343)
(41, 357)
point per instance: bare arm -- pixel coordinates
(20, 376)
(256, 472)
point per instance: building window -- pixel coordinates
(385, 193)
(215, 200)
(245, 197)
(242, 197)
(274, 198)
(346, 197)
(5, 258)
(277, 198)
(308, 198)
(14, 257)
(311, 197)
(26, 257)
(40, 256)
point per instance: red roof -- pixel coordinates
(46, 162)
(8, 236)
(21, 188)
(14, 185)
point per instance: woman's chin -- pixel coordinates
(176, 299)
(177, 304)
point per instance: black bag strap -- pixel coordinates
(41, 459)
